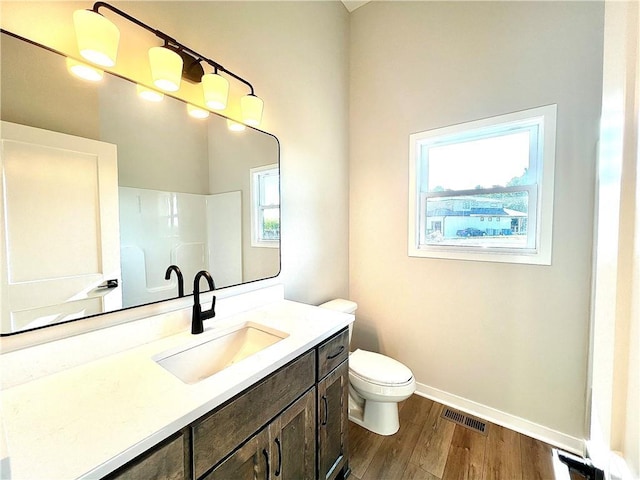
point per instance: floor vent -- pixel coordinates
(464, 420)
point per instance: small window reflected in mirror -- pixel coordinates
(265, 206)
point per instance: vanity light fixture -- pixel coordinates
(97, 37)
(149, 94)
(216, 90)
(251, 107)
(169, 63)
(166, 68)
(196, 112)
(84, 71)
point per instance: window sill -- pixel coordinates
(480, 254)
(266, 244)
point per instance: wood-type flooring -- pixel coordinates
(429, 447)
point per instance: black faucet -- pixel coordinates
(167, 276)
(198, 315)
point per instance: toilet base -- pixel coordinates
(378, 417)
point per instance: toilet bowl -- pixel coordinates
(376, 383)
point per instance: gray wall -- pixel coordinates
(509, 337)
(61, 103)
(159, 146)
(233, 155)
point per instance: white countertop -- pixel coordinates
(86, 421)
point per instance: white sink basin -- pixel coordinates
(205, 357)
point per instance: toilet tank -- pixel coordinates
(344, 306)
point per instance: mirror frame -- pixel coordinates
(179, 302)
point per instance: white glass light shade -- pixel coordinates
(84, 71)
(235, 126)
(216, 91)
(97, 37)
(251, 107)
(166, 68)
(149, 94)
(196, 112)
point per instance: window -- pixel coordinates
(265, 202)
(498, 170)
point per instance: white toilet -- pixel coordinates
(376, 383)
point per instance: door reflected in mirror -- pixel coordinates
(82, 240)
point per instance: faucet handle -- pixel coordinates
(198, 315)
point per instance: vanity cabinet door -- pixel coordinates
(219, 433)
(249, 462)
(284, 450)
(292, 440)
(169, 461)
(333, 418)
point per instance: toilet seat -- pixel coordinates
(379, 369)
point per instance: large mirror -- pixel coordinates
(102, 191)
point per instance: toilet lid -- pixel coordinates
(378, 368)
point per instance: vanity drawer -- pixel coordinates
(219, 433)
(333, 352)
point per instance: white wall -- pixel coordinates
(615, 336)
(296, 56)
(508, 339)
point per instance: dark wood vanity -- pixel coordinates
(293, 424)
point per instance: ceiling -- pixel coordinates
(353, 4)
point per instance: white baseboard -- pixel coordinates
(526, 427)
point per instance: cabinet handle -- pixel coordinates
(326, 410)
(266, 457)
(334, 355)
(277, 472)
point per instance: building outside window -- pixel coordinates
(265, 206)
(483, 190)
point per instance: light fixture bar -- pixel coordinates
(172, 42)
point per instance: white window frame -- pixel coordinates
(540, 214)
(256, 174)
